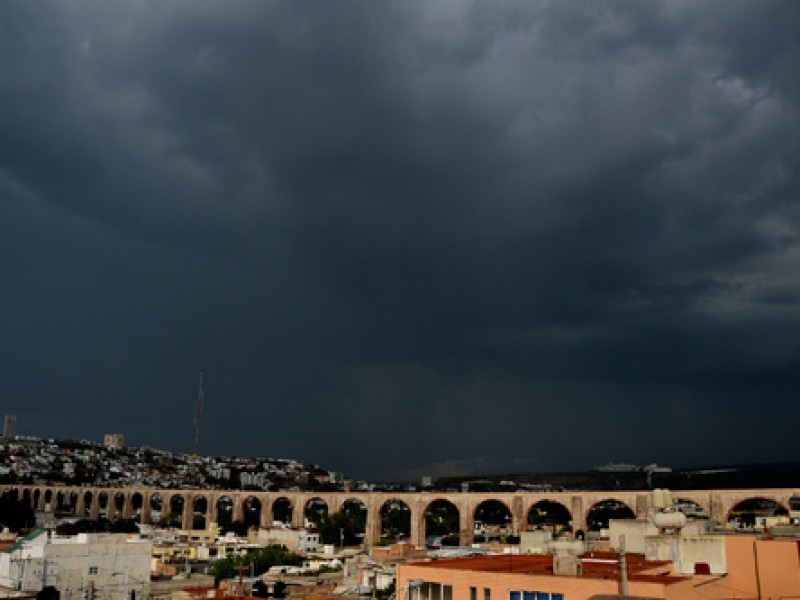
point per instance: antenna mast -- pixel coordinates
(198, 413)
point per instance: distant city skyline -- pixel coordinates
(424, 238)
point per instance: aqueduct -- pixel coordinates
(138, 502)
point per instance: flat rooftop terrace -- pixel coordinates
(596, 565)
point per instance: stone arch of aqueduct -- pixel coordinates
(85, 502)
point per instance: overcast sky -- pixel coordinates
(405, 238)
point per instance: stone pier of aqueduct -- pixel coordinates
(87, 502)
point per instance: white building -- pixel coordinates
(301, 541)
(98, 566)
(259, 480)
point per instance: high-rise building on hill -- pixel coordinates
(10, 427)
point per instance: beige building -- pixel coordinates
(114, 441)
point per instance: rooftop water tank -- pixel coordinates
(672, 519)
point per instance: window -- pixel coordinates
(526, 595)
(473, 593)
(92, 570)
(433, 591)
(487, 594)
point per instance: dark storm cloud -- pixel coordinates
(405, 238)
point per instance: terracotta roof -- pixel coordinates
(597, 565)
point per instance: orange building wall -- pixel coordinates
(741, 566)
(777, 576)
(500, 584)
(778, 568)
(778, 573)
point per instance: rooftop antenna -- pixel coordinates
(198, 413)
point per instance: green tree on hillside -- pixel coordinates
(259, 560)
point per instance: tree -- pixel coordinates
(15, 514)
(237, 527)
(98, 526)
(124, 526)
(261, 561)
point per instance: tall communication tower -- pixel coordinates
(198, 414)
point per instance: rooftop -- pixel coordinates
(597, 565)
(21, 541)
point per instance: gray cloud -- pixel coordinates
(431, 236)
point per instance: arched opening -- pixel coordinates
(225, 513)
(172, 515)
(757, 513)
(88, 499)
(690, 508)
(605, 510)
(794, 510)
(395, 521)
(492, 521)
(316, 509)
(356, 513)
(549, 514)
(282, 510)
(62, 507)
(156, 508)
(73, 504)
(118, 506)
(199, 508)
(442, 524)
(37, 494)
(102, 503)
(48, 500)
(137, 501)
(346, 527)
(252, 512)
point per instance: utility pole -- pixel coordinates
(198, 414)
(241, 569)
(623, 568)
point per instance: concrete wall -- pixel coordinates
(535, 542)
(686, 551)
(112, 564)
(635, 532)
(742, 566)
